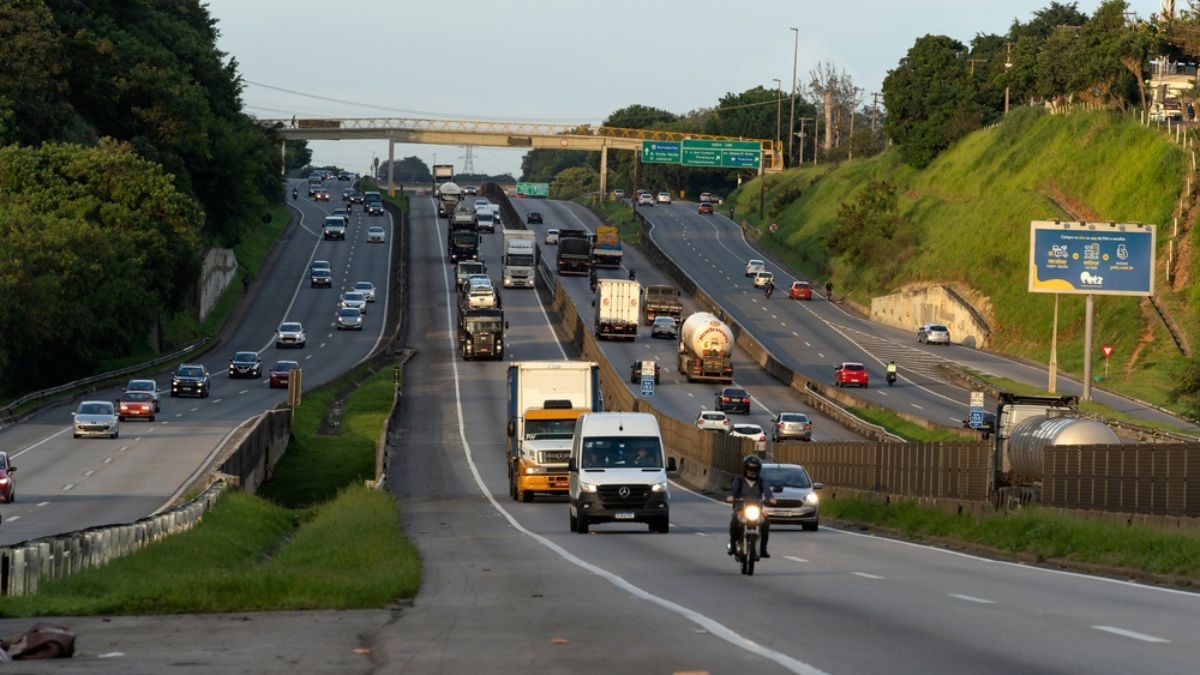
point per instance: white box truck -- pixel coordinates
(518, 258)
(545, 398)
(618, 308)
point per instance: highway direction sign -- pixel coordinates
(660, 152)
(647, 386)
(533, 189)
(722, 154)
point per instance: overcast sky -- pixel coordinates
(563, 60)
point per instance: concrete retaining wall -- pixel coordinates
(912, 307)
(216, 273)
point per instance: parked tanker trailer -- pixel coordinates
(706, 349)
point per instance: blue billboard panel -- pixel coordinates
(1091, 258)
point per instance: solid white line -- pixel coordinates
(795, 559)
(1130, 634)
(108, 460)
(702, 534)
(30, 447)
(916, 406)
(711, 625)
(971, 598)
(201, 468)
(866, 575)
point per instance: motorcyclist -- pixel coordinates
(592, 279)
(769, 289)
(891, 370)
(829, 290)
(632, 274)
(295, 194)
(750, 487)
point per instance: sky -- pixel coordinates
(562, 60)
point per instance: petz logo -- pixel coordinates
(1059, 251)
(1090, 279)
(1122, 252)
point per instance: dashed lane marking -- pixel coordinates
(1131, 634)
(866, 575)
(971, 598)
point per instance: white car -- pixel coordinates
(761, 279)
(96, 418)
(754, 266)
(712, 420)
(290, 334)
(355, 300)
(376, 235)
(367, 289)
(645, 199)
(551, 238)
(795, 498)
(664, 198)
(148, 386)
(753, 432)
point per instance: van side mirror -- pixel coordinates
(505, 325)
(571, 466)
(818, 486)
(671, 466)
(11, 468)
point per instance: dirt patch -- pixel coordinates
(1069, 204)
(1185, 253)
(1147, 336)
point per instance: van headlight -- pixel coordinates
(659, 487)
(587, 487)
(812, 499)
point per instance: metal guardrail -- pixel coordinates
(23, 566)
(6, 411)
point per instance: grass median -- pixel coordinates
(909, 431)
(1037, 534)
(315, 537)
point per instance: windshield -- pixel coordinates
(748, 429)
(353, 297)
(793, 477)
(364, 286)
(549, 429)
(136, 396)
(191, 371)
(520, 260)
(793, 418)
(462, 237)
(290, 328)
(939, 329)
(483, 325)
(349, 311)
(483, 216)
(854, 367)
(601, 452)
(245, 357)
(140, 385)
(95, 408)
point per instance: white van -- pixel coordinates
(618, 472)
(485, 220)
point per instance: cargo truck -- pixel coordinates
(545, 399)
(661, 300)
(606, 249)
(706, 349)
(462, 243)
(518, 258)
(448, 196)
(574, 252)
(618, 308)
(481, 333)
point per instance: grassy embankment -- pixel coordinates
(315, 537)
(972, 208)
(903, 428)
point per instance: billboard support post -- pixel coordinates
(1089, 321)
(1053, 385)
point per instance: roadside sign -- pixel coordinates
(1091, 258)
(976, 420)
(648, 368)
(660, 152)
(295, 387)
(1107, 350)
(533, 189)
(721, 154)
(977, 399)
(647, 386)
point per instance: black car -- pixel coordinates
(733, 399)
(319, 278)
(190, 379)
(374, 208)
(353, 196)
(245, 364)
(534, 217)
(313, 188)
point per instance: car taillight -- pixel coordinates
(762, 438)
(745, 400)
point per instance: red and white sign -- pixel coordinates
(1107, 349)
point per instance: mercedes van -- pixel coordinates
(618, 472)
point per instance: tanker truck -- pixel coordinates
(706, 349)
(448, 197)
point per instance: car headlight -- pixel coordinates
(587, 487)
(3, 481)
(812, 499)
(659, 487)
(751, 512)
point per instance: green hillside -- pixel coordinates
(967, 217)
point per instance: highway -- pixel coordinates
(508, 588)
(813, 337)
(65, 484)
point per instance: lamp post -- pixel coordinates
(778, 107)
(1007, 66)
(792, 114)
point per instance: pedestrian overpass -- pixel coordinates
(521, 135)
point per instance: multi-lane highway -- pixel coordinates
(65, 484)
(508, 588)
(812, 337)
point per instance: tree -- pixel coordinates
(836, 98)
(750, 114)
(31, 85)
(574, 182)
(930, 100)
(870, 232)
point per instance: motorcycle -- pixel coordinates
(295, 195)
(769, 290)
(750, 516)
(891, 378)
(632, 275)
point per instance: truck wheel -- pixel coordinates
(581, 524)
(527, 496)
(512, 485)
(574, 523)
(661, 525)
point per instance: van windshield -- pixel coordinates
(603, 452)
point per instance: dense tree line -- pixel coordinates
(125, 150)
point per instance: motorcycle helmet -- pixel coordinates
(751, 466)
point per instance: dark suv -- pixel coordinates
(190, 379)
(733, 399)
(245, 364)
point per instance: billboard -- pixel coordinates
(1091, 258)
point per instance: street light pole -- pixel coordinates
(1007, 66)
(792, 114)
(778, 107)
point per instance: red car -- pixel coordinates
(135, 404)
(850, 373)
(8, 491)
(705, 207)
(281, 371)
(800, 290)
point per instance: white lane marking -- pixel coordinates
(68, 487)
(193, 409)
(217, 400)
(1131, 634)
(123, 448)
(308, 357)
(42, 503)
(322, 345)
(798, 335)
(807, 344)
(691, 394)
(12, 518)
(243, 392)
(916, 406)
(819, 354)
(955, 419)
(89, 472)
(707, 623)
(44, 440)
(149, 430)
(865, 575)
(702, 534)
(795, 559)
(179, 414)
(971, 598)
(108, 460)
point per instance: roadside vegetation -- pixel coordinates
(619, 216)
(1036, 534)
(909, 431)
(314, 538)
(401, 198)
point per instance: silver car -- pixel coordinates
(791, 425)
(664, 326)
(290, 334)
(349, 318)
(148, 386)
(376, 235)
(367, 289)
(355, 300)
(796, 500)
(933, 333)
(96, 418)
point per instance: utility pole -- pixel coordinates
(803, 123)
(973, 62)
(778, 107)
(792, 114)
(816, 137)
(1007, 66)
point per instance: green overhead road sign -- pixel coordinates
(722, 154)
(533, 189)
(660, 152)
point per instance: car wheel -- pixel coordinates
(810, 527)
(574, 523)
(174, 394)
(115, 434)
(74, 435)
(661, 525)
(120, 419)
(581, 523)
(152, 418)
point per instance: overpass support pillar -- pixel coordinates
(603, 173)
(283, 158)
(391, 167)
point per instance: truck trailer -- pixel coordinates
(618, 308)
(519, 256)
